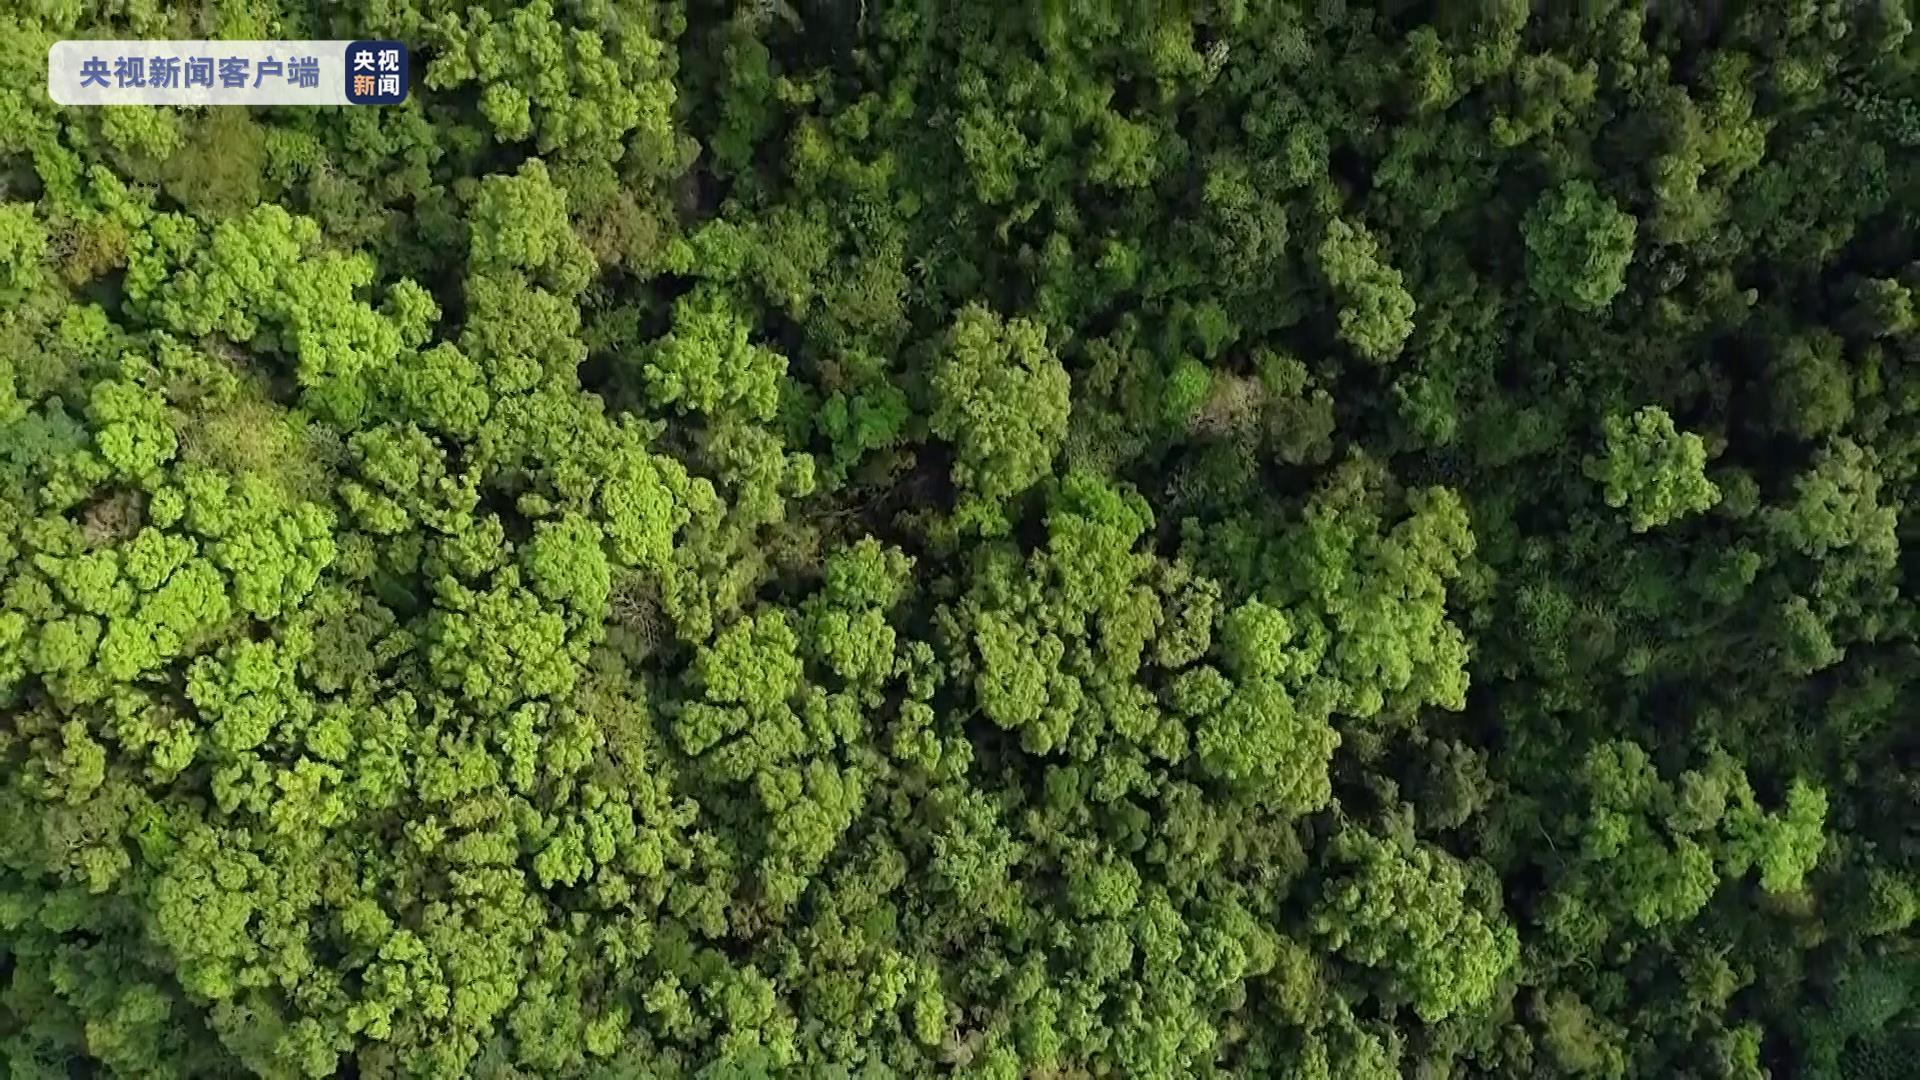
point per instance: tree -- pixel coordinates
(1376, 311)
(23, 244)
(1579, 246)
(1404, 909)
(1652, 469)
(1000, 397)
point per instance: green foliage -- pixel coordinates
(520, 223)
(595, 84)
(1376, 311)
(859, 540)
(1654, 471)
(1405, 911)
(1579, 245)
(1001, 398)
(23, 247)
(706, 364)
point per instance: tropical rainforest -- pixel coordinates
(1050, 540)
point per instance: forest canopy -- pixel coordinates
(1083, 539)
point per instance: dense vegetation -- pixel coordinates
(872, 539)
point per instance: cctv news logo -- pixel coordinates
(369, 72)
(376, 73)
